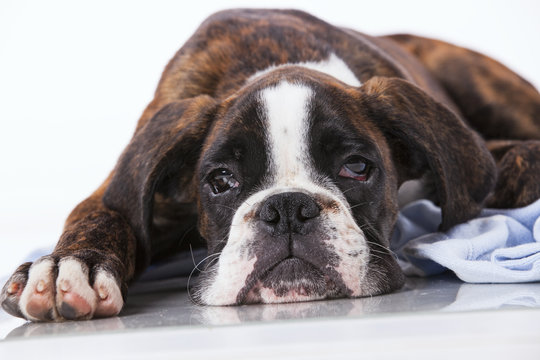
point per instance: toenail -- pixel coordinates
(103, 295)
(13, 288)
(64, 286)
(40, 286)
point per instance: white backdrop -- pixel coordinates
(76, 75)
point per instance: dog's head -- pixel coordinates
(295, 178)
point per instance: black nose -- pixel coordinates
(289, 212)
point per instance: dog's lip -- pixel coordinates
(264, 273)
(284, 262)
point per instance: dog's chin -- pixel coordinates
(291, 280)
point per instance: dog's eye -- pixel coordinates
(357, 169)
(222, 180)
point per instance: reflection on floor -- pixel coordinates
(166, 304)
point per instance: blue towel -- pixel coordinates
(499, 246)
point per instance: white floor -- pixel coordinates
(76, 77)
(438, 317)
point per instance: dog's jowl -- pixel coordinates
(279, 142)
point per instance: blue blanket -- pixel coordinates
(500, 246)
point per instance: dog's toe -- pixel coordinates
(37, 298)
(75, 299)
(110, 299)
(73, 306)
(11, 293)
(40, 307)
(52, 290)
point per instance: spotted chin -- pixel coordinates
(290, 280)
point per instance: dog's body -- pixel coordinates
(283, 140)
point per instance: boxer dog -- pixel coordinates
(279, 143)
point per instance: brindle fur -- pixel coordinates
(149, 201)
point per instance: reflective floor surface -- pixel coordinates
(425, 307)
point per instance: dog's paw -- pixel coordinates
(64, 289)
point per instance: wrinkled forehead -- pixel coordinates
(287, 120)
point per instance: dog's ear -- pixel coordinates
(169, 143)
(426, 136)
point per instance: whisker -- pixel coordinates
(196, 265)
(349, 189)
(227, 207)
(377, 271)
(188, 230)
(188, 287)
(192, 257)
(368, 227)
(223, 239)
(361, 204)
(211, 262)
(387, 250)
(216, 256)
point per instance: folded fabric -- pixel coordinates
(499, 246)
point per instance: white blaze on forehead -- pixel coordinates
(333, 66)
(286, 108)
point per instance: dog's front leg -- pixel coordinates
(107, 236)
(86, 276)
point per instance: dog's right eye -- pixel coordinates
(355, 169)
(222, 180)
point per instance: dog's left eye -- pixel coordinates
(357, 170)
(222, 180)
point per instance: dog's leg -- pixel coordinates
(518, 164)
(108, 236)
(86, 275)
(496, 102)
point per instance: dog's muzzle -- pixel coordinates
(288, 246)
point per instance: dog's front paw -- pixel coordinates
(53, 289)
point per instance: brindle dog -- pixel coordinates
(205, 168)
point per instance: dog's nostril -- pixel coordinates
(308, 211)
(269, 214)
(289, 212)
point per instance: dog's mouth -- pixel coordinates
(290, 280)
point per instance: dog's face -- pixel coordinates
(297, 195)
(295, 177)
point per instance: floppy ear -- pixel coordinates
(169, 143)
(426, 136)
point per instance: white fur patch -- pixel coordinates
(269, 296)
(39, 288)
(333, 66)
(286, 110)
(353, 252)
(231, 275)
(108, 293)
(73, 277)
